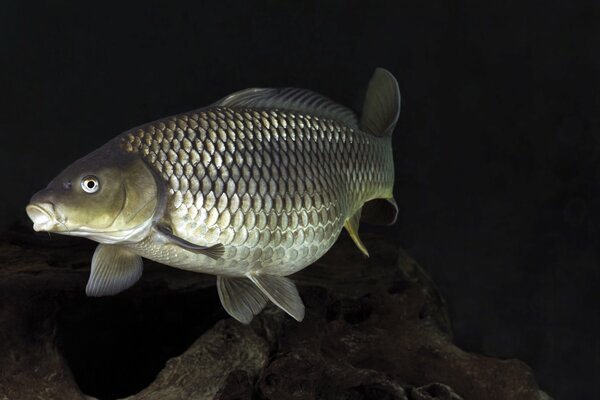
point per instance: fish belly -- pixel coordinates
(273, 187)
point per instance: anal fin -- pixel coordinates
(282, 292)
(240, 298)
(351, 226)
(114, 269)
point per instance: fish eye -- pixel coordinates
(90, 184)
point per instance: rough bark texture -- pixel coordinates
(375, 328)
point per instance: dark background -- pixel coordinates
(496, 150)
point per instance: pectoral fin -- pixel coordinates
(281, 291)
(241, 298)
(351, 226)
(166, 236)
(114, 269)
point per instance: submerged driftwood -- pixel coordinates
(374, 329)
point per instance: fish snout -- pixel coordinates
(42, 212)
(42, 215)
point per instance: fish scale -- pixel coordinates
(273, 187)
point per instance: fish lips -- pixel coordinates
(43, 216)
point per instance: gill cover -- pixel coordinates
(120, 209)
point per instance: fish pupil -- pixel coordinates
(89, 184)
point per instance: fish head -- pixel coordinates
(109, 196)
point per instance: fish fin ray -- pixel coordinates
(282, 292)
(351, 226)
(241, 298)
(167, 236)
(381, 107)
(215, 251)
(300, 100)
(114, 269)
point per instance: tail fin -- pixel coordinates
(382, 104)
(380, 114)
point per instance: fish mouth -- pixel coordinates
(42, 215)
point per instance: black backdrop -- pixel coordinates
(496, 150)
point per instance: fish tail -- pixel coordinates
(381, 107)
(380, 113)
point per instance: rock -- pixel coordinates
(434, 391)
(237, 386)
(375, 328)
(228, 348)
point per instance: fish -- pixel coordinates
(251, 189)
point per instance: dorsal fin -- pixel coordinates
(292, 99)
